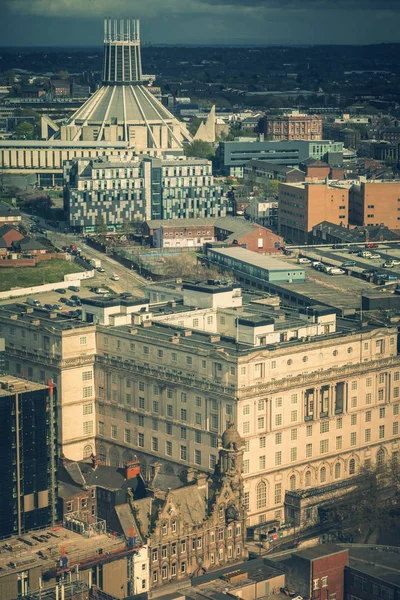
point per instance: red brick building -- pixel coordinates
(293, 126)
(317, 572)
(183, 233)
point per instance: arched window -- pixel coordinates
(261, 494)
(322, 475)
(114, 457)
(352, 466)
(87, 451)
(380, 458)
(308, 479)
(292, 482)
(103, 455)
(337, 470)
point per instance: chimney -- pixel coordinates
(95, 461)
(132, 468)
(190, 477)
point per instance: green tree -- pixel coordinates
(24, 131)
(101, 227)
(200, 149)
(63, 74)
(126, 227)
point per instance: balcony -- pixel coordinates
(309, 417)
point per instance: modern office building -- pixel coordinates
(292, 126)
(313, 396)
(28, 471)
(139, 190)
(301, 206)
(233, 156)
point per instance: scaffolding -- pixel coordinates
(78, 522)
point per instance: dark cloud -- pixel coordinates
(78, 22)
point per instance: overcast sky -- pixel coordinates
(78, 22)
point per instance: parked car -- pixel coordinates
(61, 291)
(75, 297)
(63, 300)
(395, 261)
(364, 254)
(48, 306)
(126, 295)
(33, 302)
(353, 251)
(71, 303)
(100, 270)
(391, 277)
(375, 256)
(349, 263)
(371, 245)
(115, 277)
(338, 246)
(57, 307)
(73, 288)
(388, 264)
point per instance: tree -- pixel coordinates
(101, 227)
(194, 125)
(126, 227)
(200, 149)
(24, 131)
(63, 74)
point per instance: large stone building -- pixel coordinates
(292, 126)
(301, 206)
(141, 189)
(314, 397)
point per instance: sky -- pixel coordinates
(79, 22)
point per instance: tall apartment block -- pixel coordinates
(293, 126)
(303, 205)
(140, 190)
(28, 494)
(313, 396)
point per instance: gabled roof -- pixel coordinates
(29, 244)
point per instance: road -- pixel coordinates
(129, 281)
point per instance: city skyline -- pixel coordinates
(62, 23)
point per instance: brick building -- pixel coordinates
(186, 233)
(320, 170)
(375, 202)
(293, 126)
(9, 235)
(301, 206)
(317, 572)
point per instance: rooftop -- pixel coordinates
(262, 261)
(43, 548)
(379, 562)
(10, 385)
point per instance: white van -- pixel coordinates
(304, 261)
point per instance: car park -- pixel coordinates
(73, 288)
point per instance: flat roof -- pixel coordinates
(30, 315)
(382, 563)
(9, 385)
(44, 548)
(114, 301)
(269, 263)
